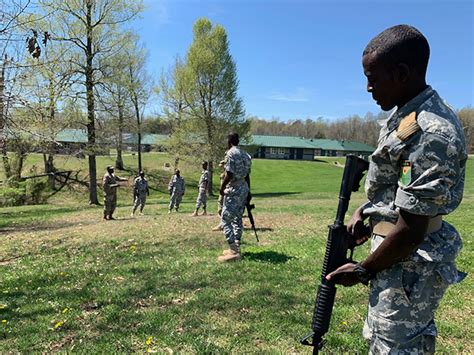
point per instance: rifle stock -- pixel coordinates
(338, 244)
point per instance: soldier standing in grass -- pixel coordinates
(235, 189)
(110, 185)
(220, 200)
(416, 176)
(176, 189)
(203, 188)
(140, 192)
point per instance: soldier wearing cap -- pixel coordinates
(140, 192)
(176, 188)
(109, 183)
(203, 188)
(235, 189)
(416, 176)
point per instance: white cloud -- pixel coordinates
(300, 95)
(159, 11)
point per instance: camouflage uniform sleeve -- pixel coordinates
(229, 164)
(435, 168)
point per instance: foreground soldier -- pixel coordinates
(203, 187)
(235, 189)
(140, 191)
(176, 189)
(110, 185)
(416, 176)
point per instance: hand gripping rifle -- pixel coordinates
(338, 244)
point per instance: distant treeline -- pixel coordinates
(362, 129)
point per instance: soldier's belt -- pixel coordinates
(383, 228)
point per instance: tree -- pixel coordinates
(114, 98)
(9, 49)
(92, 28)
(139, 88)
(466, 116)
(207, 82)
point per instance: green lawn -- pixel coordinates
(72, 282)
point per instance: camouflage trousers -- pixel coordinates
(402, 303)
(202, 199)
(140, 200)
(175, 199)
(220, 202)
(110, 203)
(232, 211)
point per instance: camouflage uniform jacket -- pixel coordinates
(140, 186)
(204, 180)
(239, 163)
(422, 174)
(176, 184)
(107, 181)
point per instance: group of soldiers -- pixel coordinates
(416, 176)
(234, 194)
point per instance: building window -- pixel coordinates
(278, 151)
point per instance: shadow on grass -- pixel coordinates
(259, 229)
(29, 219)
(274, 194)
(38, 226)
(267, 257)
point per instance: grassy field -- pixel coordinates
(72, 282)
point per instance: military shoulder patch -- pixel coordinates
(407, 127)
(405, 174)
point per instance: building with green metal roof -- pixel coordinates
(299, 148)
(260, 146)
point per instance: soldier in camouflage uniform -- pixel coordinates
(140, 192)
(176, 189)
(235, 189)
(109, 183)
(203, 187)
(416, 176)
(220, 200)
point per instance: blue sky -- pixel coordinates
(302, 59)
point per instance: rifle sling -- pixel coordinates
(383, 228)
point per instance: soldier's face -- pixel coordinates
(383, 82)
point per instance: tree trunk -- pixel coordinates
(119, 160)
(49, 168)
(139, 143)
(18, 166)
(90, 110)
(3, 138)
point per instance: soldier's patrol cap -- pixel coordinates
(110, 167)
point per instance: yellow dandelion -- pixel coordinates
(58, 324)
(4, 322)
(65, 310)
(149, 341)
(345, 323)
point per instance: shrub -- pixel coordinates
(28, 192)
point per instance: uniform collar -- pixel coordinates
(394, 119)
